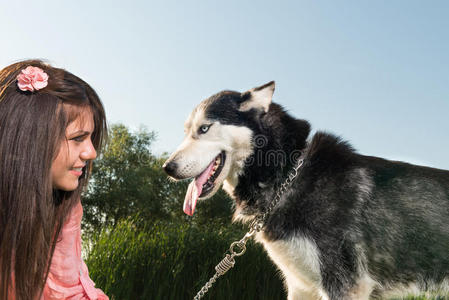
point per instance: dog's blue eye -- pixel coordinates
(203, 129)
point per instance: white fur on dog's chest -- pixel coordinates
(298, 259)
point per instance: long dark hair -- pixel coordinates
(32, 213)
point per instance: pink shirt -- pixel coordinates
(69, 277)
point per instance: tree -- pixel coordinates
(127, 180)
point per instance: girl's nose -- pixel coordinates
(88, 152)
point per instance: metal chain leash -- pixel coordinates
(256, 225)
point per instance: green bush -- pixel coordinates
(173, 261)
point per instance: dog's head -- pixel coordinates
(218, 140)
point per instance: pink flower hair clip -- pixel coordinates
(32, 79)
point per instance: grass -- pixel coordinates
(169, 261)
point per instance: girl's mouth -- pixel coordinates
(77, 171)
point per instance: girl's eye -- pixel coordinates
(79, 138)
(203, 129)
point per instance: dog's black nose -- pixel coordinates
(170, 168)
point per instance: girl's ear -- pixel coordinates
(258, 98)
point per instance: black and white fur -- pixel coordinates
(349, 227)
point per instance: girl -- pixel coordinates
(51, 125)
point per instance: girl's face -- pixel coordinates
(74, 153)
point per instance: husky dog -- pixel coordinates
(349, 226)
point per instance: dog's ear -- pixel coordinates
(258, 98)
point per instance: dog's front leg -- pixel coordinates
(302, 295)
(298, 293)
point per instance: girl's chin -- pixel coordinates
(67, 186)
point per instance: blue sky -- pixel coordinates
(374, 72)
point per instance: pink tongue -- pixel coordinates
(194, 190)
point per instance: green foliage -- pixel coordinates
(170, 260)
(127, 179)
